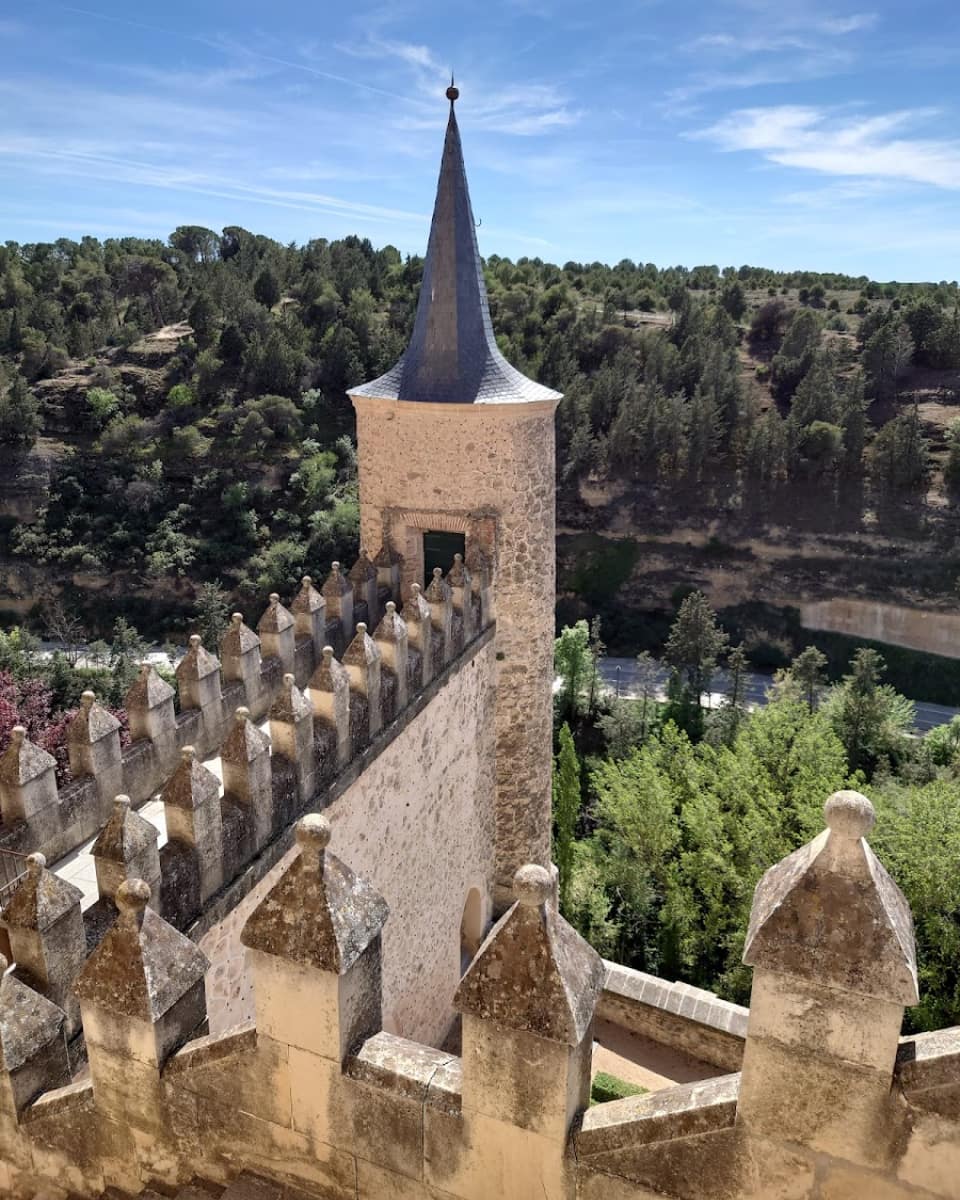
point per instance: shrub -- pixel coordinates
(611, 1087)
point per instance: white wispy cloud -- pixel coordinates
(777, 72)
(855, 23)
(818, 139)
(90, 162)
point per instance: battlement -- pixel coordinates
(38, 816)
(321, 741)
(316, 1095)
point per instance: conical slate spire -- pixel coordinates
(453, 356)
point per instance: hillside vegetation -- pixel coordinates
(175, 413)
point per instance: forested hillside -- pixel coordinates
(174, 413)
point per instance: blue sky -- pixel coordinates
(785, 133)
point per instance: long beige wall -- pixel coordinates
(488, 470)
(932, 632)
(418, 824)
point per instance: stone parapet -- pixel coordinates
(675, 1014)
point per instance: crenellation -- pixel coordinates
(33, 1045)
(46, 934)
(28, 783)
(291, 735)
(361, 661)
(391, 639)
(460, 582)
(149, 705)
(277, 633)
(126, 849)
(440, 598)
(337, 593)
(389, 564)
(245, 758)
(191, 806)
(364, 579)
(329, 692)
(241, 661)
(200, 686)
(309, 611)
(93, 745)
(418, 620)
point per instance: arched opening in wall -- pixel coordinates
(471, 928)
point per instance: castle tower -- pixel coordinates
(456, 454)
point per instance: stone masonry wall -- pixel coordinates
(486, 470)
(417, 823)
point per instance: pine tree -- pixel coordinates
(808, 670)
(694, 646)
(212, 613)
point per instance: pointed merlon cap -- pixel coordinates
(534, 972)
(363, 569)
(22, 761)
(291, 705)
(330, 676)
(191, 785)
(148, 690)
(362, 651)
(197, 663)
(439, 590)
(453, 357)
(239, 638)
(143, 966)
(336, 583)
(308, 599)
(387, 556)
(319, 914)
(392, 627)
(245, 742)
(276, 619)
(458, 575)
(41, 898)
(92, 721)
(416, 608)
(28, 1021)
(125, 835)
(829, 913)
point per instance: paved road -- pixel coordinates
(621, 673)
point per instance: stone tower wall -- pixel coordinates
(488, 471)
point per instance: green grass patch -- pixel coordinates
(611, 1087)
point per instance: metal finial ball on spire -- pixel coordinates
(453, 92)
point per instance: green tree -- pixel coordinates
(695, 645)
(727, 720)
(917, 837)
(211, 613)
(102, 407)
(574, 664)
(943, 742)
(566, 811)
(809, 670)
(796, 354)
(900, 454)
(870, 718)
(886, 356)
(19, 414)
(266, 288)
(127, 651)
